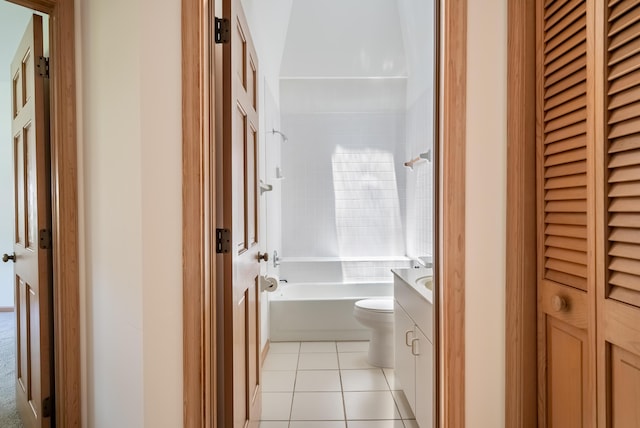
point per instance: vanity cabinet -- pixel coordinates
(405, 369)
(414, 367)
(423, 351)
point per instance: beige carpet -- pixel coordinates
(8, 414)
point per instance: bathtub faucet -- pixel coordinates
(284, 280)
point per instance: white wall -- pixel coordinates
(268, 23)
(418, 32)
(486, 213)
(343, 98)
(129, 107)
(271, 202)
(13, 22)
(344, 191)
(344, 38)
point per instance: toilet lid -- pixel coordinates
(376, 305)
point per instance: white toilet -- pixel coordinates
(377, 315)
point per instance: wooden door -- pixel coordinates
(619, 280)
(588, 68)
(240, 205)
(566, 237)
(33, 284)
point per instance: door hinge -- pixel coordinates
(43, 67)
(221, 30)
(47, 407)
(223, 241)
(45, 239)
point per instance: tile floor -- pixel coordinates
(329, 385)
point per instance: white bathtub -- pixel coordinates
(320, 310)
(317, 302)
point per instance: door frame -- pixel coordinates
(521, 382)
(199, 214)
(64, 208)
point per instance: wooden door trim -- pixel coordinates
(198, 214)
(521, 298)
(199, 366)
(453, 173)
(64, 208)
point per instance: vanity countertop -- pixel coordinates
(410, 277)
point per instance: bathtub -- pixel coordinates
(317, 301)
(320, 310)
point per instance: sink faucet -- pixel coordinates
(426, 261)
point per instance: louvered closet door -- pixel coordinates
(619, 295)
(565, 225)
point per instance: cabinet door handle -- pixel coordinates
(414, 346)
(406, 337)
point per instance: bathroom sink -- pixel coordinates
(425, 281)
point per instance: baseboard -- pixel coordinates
(6, 309)
(265, 351)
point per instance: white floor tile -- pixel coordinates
(276, 406)
(375, 424)
(318, 380)
(317, 424)
(317, 406)
(274, 424)
(318, 361)
(370, 405)
(364, 380)
(361, 346)
(354, 360)
(280, 362)
(318, 347)
(403, 405)
(411, 424)
(393, 382)
(284, 347)
(278, 381)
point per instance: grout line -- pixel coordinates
(344, 404)
(342, 391)
(295, 381)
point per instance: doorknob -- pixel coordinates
(7, 257)
(263, 256)
(559, 303)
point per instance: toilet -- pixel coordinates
(377, 315)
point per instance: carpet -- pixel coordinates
(8, 414)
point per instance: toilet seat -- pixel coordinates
(376, 305)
